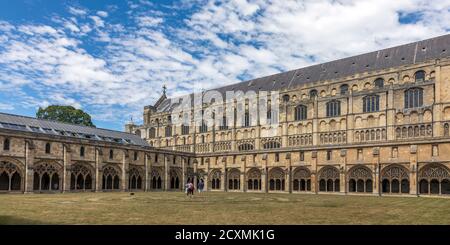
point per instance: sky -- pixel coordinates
(111, 58)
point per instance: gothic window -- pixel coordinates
(47, 148)
(10, 178)
(80, 178)
(329, 154)
(135, 157)
(224, 125)
(333, 108)
(184, 129)
(312, 94)
(254, 179)
(82, 151)
(203, 128)
(434, 178)
(6, 145)
(277, 157)
(379, 83)
(234, 179)
(302, 156)
(245, 147)
(344, 89)
(110, 180)
(247, 119)
(371, 103)
(419, 76)
(413, 97)
(152, 133)
(395, 179)
(111, 154)
(302, 179)
(300, 112)
(271, 145)
(446, 129)
(168, 131)
(286, 98)
(329, 179)
(276, 179)
(134, 179)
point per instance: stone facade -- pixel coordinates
(390, 134)
(47, 162)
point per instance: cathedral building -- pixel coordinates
(373, 124)
(376, 123)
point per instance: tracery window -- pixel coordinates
(371, 103)
(413, 98)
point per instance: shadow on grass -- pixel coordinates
(12, 220)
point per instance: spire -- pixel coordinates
(164, 90)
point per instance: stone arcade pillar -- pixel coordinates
(242, 177)
(166, 173)
(413, 170)
(183, 172)
(288, 183)
(195, 164)
(314, 186)
(98, 160)
(206, 178)
(264, 174)
(343, 170)
(29, 172)
(146, 172)
(376, 173)
(223, 180)
(125, 165)
(66, 164)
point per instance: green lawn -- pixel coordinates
(219, 208)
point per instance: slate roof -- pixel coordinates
(30, 124)
(407, 54)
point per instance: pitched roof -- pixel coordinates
(407, 54)
(30, 124)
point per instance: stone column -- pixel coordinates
(343, 172)
(223, 180)
(146, 182)
(264, 174)
(29, 172)
(314, 185)
(183, 173)
(376, 175)
(242, 177)
(98, 154)
(124, 170)
(195, 175)
(206, 178)
(166, 173)
(413, 170)
(66, 165)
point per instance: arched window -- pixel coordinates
(286, 98)
(413, 97)
(184, 129)
(333, 108)
(344, 89)
(224, 125)
(6, 145)
(247, 119)
(371, 103)
(168, 130)
(203, 128)
(135, 156)
(300, 112)
(152, 133)
(446, 129)
(272, 145)
(419, 76)
(47, 148)
(312, 94)
(82, 151)
(379, 83)
(111, 154)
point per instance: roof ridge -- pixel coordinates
(54, 121)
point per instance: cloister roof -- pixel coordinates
(30, 124)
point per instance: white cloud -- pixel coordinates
(77, 11)
(219, 43)
(103, 14)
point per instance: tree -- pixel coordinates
(65, 114)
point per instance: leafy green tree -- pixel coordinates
(65, 114)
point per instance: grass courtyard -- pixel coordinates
(219, 208)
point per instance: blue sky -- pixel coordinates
(111, 58)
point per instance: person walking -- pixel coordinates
(200, 186)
